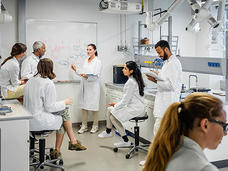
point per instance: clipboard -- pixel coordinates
(153, 74)
(90, 75)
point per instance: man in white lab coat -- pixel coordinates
(169, 87)
(29, 65)
(169, 84)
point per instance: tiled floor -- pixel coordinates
(98, 157)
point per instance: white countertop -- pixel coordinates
(149, 93)
(19, 112)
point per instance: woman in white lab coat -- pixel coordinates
(187, 128)
(48, 114)
(11, 86)
(90, 88)
(130, 106)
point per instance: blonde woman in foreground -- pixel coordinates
(187, 128)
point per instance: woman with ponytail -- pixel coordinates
(187, 128)
(130, 106)
(10, 84)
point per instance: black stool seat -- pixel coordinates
(41, 132)
(139, 118)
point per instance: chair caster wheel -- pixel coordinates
(127, 156)
(34, 160)
(60, 162)
(41, 167)
(136, 149)
(115, 149)
(47, 157)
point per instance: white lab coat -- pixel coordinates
(40, 101)
(131, 104)
(90, 88)
(169, 89)
(9, 76)
(29, 66)
(190, 157)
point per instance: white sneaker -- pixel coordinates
(104, 134)
(122, 144)
(83, 129)
(142, 163)
(94, 129)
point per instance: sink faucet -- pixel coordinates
(189, 80)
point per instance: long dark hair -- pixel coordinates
(177, 122)
(17, 49)
(45, 68)
(94, 48)
(131, 65)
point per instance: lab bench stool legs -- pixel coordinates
(135, 146)
(43, 158)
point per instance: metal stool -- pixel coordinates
(135, 146)
(43, 159)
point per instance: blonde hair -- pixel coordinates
(176, 123)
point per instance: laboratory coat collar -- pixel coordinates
(191, 144)
(94, 59)
(170, 59)
(15, 59)
(35, 57)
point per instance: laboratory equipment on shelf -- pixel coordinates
(201, 13)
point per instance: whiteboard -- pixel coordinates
(66, 43)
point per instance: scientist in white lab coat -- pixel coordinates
(187, 128)
(29, 64)
(169, 88)
(90, 88)
(48, 114)
(11, 86)
(130, 106)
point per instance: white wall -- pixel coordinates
(8, 31)
(108, 38)
(108, 35)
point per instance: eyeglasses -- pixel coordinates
(223, 124)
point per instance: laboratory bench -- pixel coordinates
(14, 137)
(114, 93)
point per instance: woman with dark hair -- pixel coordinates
(186, 129)
(90, 88)
(10, 84)
(48, 114)
(130, 106)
